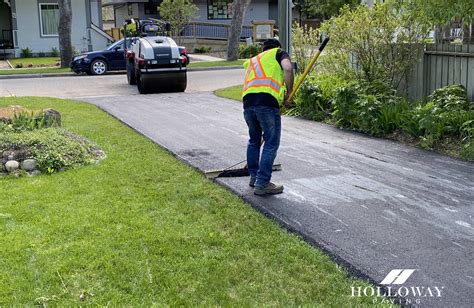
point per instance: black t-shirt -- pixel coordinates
(265, 99)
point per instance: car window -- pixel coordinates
(116, 44)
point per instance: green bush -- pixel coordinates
(363, 108)
(310, 102)
(368, 44)
(202, 49)
(31, 121)
(249, 51)
(450, 98)
(54, 52)
(54, 149)
(26, 52)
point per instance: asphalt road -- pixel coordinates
(374, 205)
(116, 85)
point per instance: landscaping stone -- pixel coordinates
(28, 164)
(53, 115)
(34, 173)
(17, 155)
(12, 165)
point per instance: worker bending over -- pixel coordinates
(267, 84)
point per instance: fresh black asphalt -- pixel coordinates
(374, 205)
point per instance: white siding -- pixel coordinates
(121, 14)
(28, 23)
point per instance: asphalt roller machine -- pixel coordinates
(155, 63)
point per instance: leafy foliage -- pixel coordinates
(325, 8)
(178, 13)
(249, 51)
(29, 121)
(54, 149)
(26, 52)
(202, 49)
(304, 45)
(382, 44)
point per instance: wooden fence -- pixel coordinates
(441, 65)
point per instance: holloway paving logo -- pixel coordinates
(399, 293)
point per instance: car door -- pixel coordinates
(116, 58)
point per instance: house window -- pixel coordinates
(151, 9)
(49, 18)
(219, 9)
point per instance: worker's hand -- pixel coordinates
(288, 104)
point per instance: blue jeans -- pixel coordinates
(267, 121)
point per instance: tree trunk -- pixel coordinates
(239, 8)
(64, 32)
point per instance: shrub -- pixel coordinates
(54, 52)
(450, 98)
(26, 52)
(202, 49)
(54, 149)
(361, 107)
(19, 65)
(304, 44)
(30, 120)
(249, 51)
(368, 44)
(310, 102)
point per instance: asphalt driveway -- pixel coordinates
(372, 204)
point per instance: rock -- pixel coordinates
(12, 165)
(28, 164)
(34, 172)
(54, 115)
(18, 155)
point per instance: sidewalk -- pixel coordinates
(373, 205)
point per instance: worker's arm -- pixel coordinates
(288, 76)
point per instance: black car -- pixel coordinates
(99, 62)
(110, 59)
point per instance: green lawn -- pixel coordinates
(49, 61)
(215, 63)
(44, 70)
(143, 228)
(234, 92)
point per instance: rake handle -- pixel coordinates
(308, 69)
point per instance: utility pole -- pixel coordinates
(284, 23)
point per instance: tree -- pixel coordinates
(438, 14)
(64, 32)
(239, 7)
(178, 13)
(323, 8)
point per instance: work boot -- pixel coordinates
(270, 189)
(252, 181)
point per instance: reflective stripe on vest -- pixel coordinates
(267, 82)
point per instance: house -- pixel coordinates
(33, 24)
(209, 11)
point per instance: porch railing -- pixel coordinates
(199, 30)
(212, 31)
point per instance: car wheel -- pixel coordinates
(131, 77)
(98, 67)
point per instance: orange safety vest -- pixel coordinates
(264, 75)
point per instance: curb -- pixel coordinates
(45, 75)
